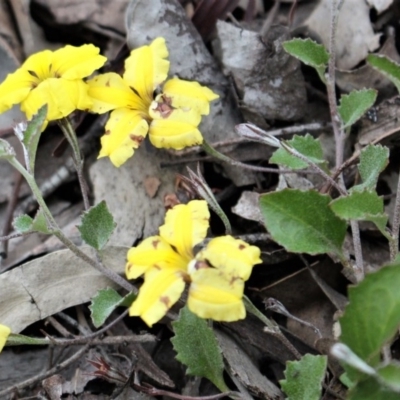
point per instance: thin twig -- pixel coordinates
(12, 201)
(394, 244)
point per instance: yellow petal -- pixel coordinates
(4, 333)
(153, 252)
(73, 63)
(162, 109)
(146, 68)
(15, 88)
(125, 130)
(232, 256)
(176, 135)
(213, 295)
(109, 91)
(38, 65)
(185, 226)
(61, 96)
(157, 295)
(186, 94)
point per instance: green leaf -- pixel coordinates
(370, 389)
(373, 160)
(372, 317)
(307, 146)
(361, 206)
(39, 223)
(197, 348)
(304, 378)
(390, 375)
(30, 137)
(105, 302)
(302, 222)
(6, 150)
(310, 53)
(97, 226)
(355, 104)
(23, 223)
(387, 67)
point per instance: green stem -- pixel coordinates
(273, 328)
(72, 139)
(56, 231)
(219, 156)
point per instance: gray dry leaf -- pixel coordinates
(240, 366)
(355, 37)
(52, 283)
(248, 207)
(269, 81)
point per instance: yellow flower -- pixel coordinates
(54, 78)
(215, 275)
(4, 333)
(171, 118)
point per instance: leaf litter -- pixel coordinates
(257, 82)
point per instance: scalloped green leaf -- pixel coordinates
(361, 206)
(310, 53)
(372, 317)
(355, 104)
(373, 160)
(23, 223)
(307, 146)
(97, 226)
(197, 348)
(387, 67)
(304, 378)
(105, 302)
(302, 221)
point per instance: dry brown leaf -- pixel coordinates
(52, 283)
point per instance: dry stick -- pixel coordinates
(50, 372)
(9, 214)
(394, 244)
(339, 132)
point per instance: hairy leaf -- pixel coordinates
(355, 104)
(307, 146)
(105, 302)
(302, 222)
(197, 348)
(361, 206)
(310, 53)
(373, 160)
(97, 226)
(304, 378)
